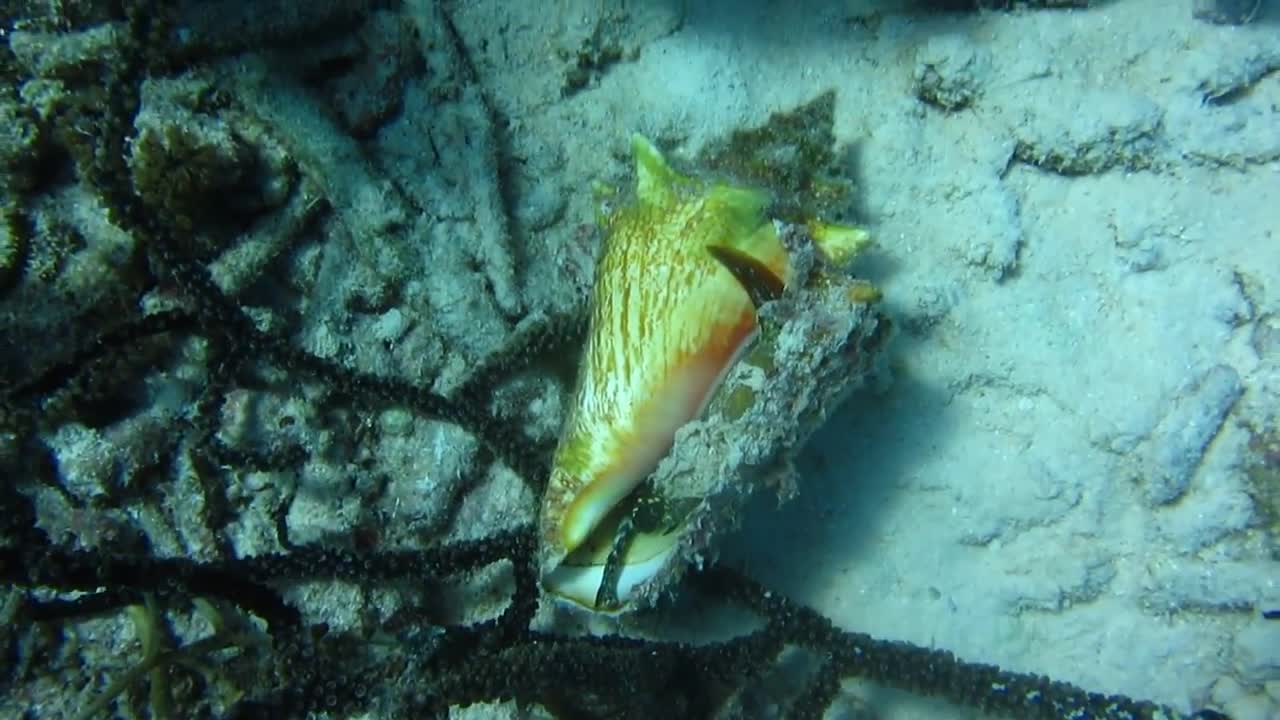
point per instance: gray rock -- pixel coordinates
(1106, 129)
(1257, 651)
(1219, 586)
(1265, 337)
(1179, 441)
(1231, 70)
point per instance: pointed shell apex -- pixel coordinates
(839, 243)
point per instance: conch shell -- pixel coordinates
(684, 267)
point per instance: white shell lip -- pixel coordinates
(579, 584)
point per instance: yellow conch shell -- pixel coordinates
(670, 312)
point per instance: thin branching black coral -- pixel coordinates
(506, 659)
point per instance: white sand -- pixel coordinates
(1052, 482)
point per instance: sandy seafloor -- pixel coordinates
(1082, 261)
(1057, 329)
(995, 500)
(1060, 329)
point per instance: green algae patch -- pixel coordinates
(793, 156)
(1262, 473)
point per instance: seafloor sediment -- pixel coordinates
(306, 282)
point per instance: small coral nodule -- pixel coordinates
(685, 266)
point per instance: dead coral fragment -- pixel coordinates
(365, 74)
(210, 171)
(187, 175)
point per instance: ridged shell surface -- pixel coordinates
(666, 321)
